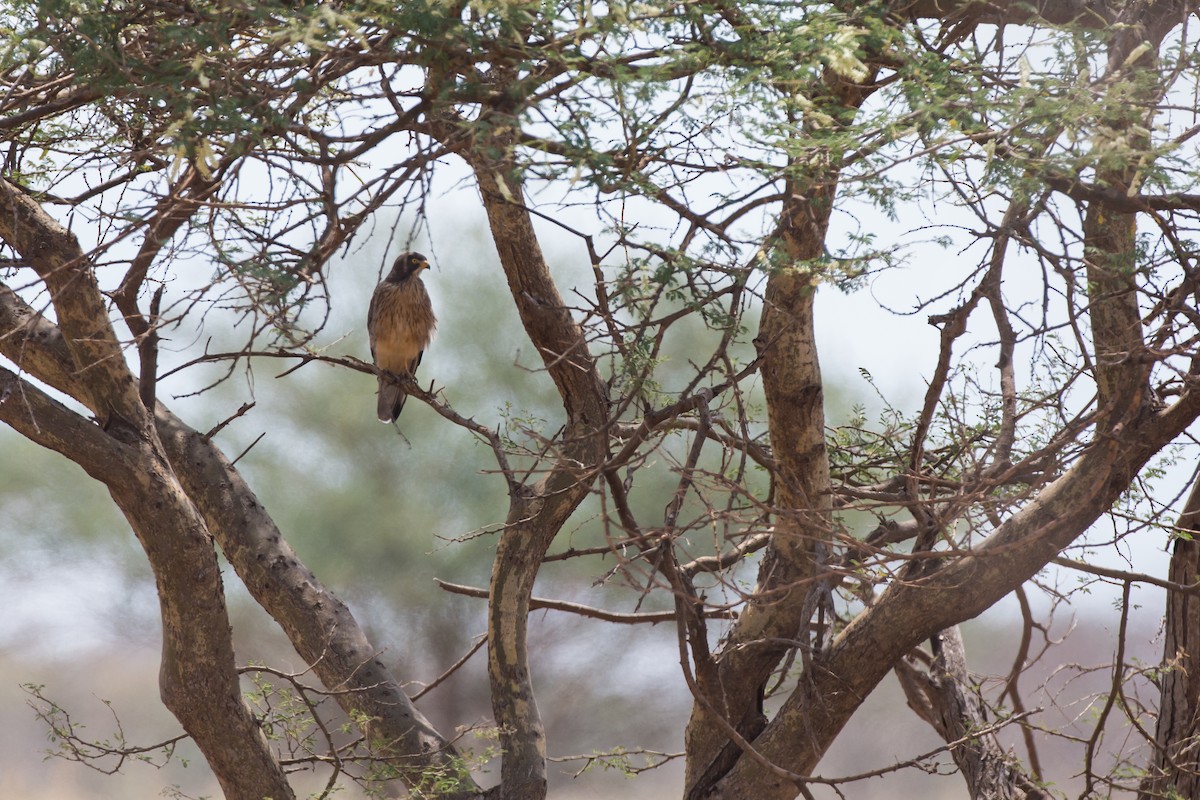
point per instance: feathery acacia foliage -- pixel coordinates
(717, 168)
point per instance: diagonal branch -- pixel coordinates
(319, 625)
(110, 390)
(944, 698)
(910, 612)
(536, 513)
(198, 678)
(171, 213)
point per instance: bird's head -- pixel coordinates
(407, 265)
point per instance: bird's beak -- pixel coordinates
(423, 265)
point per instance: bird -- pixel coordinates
(400, 325)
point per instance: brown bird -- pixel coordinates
(400, 324)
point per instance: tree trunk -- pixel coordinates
(1175, 765)
(790, 581)
(198, 679)
(538, 512)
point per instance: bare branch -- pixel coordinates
(539, 603)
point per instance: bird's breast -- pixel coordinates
(404, 324)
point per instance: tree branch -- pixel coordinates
(332, 642)
(81, 315)
(907, 613)
(944, 698)
(536, 513)
(591, 612)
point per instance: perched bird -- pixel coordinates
(400, 324)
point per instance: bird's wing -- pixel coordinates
(372, 319)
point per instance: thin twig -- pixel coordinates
(536, 603)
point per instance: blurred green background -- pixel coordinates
(378, 513)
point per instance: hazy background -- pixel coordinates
(378, 515)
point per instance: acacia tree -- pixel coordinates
(162, 159)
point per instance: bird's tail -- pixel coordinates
(391, 400)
